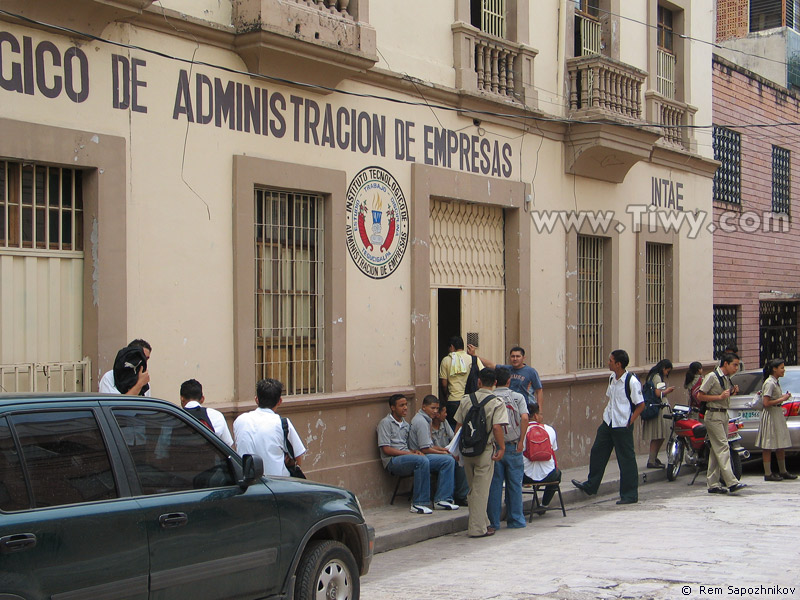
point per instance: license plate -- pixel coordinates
(750, 415)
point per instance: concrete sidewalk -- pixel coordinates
(396, 527)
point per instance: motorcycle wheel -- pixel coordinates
(736, 463)
(674, 460)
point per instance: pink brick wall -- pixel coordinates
(747, 264)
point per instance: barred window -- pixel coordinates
(667, 63)
(590, 302)
(656, 302)
(41, 207)
(665, 29)
(726, 319)
(489, 16)
(781, 180)
(289, 290)
(728, 178)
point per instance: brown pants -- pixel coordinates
(479, 470)
(719, 459)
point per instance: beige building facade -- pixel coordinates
(324, 192)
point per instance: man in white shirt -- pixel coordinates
(260, 431)
(192, 402)
(625, 404)
(540, 471)
(107, 384)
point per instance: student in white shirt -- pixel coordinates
(260, 431)
(107, 384)
(192, 402)
(625, 404)
(541, 471)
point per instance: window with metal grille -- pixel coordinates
(590, 302)
(666, 63)
(781, 180)
(777, 324)
(41, 207)
(726, 320)
(656, 302)
(728, 178)
(588, 30)
(489, 16)
(289, 290)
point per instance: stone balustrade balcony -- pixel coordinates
(487, 64)
(311, 41)
(601, 88)
(675, 117)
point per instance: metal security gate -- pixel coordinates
(41, 279)
(777, 326)
(468, 254)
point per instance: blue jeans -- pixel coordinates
(421, 467)
(510, 470)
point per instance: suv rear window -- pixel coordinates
(64, 457)
(170, 455)
(13, 491)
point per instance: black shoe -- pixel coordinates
(773, 477)
(655, 465)
(788, 476)
(540, 511)
(621, 501)
(582, 486)
(462, 502)
(736, 487)
(717, 490)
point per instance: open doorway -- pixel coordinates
(449, 322)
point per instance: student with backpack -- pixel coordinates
(655, 429)
(479, 419)
(509, 469)
(625, 404)
(539, 456)
(192, 400)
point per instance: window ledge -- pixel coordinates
(302, 42)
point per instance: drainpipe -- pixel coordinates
(562, 50)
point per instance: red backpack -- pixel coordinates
(537, 444)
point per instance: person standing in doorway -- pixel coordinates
(524, 378)
(453, 374)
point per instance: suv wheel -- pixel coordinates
(327, 571)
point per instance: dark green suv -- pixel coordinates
(118, 497)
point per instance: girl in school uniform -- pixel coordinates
(773, 433)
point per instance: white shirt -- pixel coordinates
(217, 422)
(259, 432)
(618, 409)
(541, 468)
(107, 386)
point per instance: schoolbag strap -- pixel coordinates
(486, 400)
(473, 398)
(287, 443)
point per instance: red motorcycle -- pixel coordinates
(688, 443)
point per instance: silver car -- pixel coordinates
(742, 405)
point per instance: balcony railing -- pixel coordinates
(488, 64)
(601, 87)
(665, 77)
(676, 119)
(335, 7)
(590, 32)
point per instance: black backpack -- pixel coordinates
(628, 376)
(471, 386)
(126, 368)
(200, 413)
(474, 436)
(652, 403)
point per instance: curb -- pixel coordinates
(406, 532)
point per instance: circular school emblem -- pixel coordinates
(377, 222)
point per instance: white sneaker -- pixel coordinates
(419, 509)
(445, 505)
